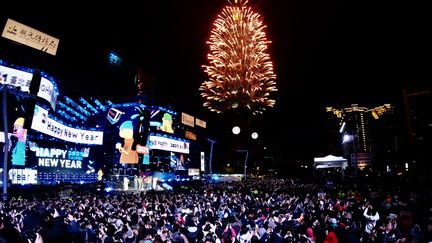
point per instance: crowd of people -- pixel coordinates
(249, 211)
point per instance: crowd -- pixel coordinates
(258, 210)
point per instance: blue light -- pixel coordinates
(88, 105)
(108, 189)
(166, 186)
(114, 59)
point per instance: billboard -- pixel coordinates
(168, 144)
(28, 36)
(48, 92)
(187, 119)
(17, 132)
(129, 125)
(60, 158)
(42, 123)
(200, 123)
(165, 119)
(15, 77)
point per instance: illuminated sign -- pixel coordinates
(202, 160)
(187, 119)
(168, 144)
(23, 176)
(47, 92)
(28, 36)
(190, 135)
(193, 171)
(200, 123)
(142, 149)
(61, 158)
(42, 123)
(15, 78)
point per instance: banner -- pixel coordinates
(42, 123)
(202, 160)
(187, 119)
(168, 144)
(23, 176)
(47, 92)
(15, 78)
(200, 123)
(28, 36)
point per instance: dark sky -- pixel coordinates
(325, 53)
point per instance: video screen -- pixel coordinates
(17, 116)
(128, 125)
(162, 120)
(48, 156)
(168, 161)
(15, 77)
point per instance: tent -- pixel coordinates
(330, 161)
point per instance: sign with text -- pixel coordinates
(190, 135)
(42, 123)
(202, 161)
(200, 123)
(28, 36)
(193, 172)
(47, 157)
(47, 92)
(23, 176)
(16, 78)
(168, 144)
(187, 119)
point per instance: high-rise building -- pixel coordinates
(419, 127)
(355, 129)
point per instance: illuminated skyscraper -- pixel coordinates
(419, 127)
(355, 131)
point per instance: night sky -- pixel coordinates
(325, 53)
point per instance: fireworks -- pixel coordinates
(240, 72)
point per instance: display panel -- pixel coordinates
(63, 162)
(129, 127)
(17, 133)
(15, 77)
(163, 120)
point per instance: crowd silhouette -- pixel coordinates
(254, 210)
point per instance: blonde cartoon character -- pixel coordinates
(167, 123)
(18, 152)
(127, 154)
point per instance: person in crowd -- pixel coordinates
(250, 211)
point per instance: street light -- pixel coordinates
(352, 138)
(245, 161)
(211, 154)
(236, 130)
(254, 135)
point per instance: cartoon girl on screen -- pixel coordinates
(127, 154)
(18, 152)
(167, 123)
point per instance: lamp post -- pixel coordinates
(352, 138)
(6, 138)
(245, 161)
(211, 155)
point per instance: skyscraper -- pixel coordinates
(355, 130)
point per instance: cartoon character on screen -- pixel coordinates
(100, 174)
(127, 154)
(18, 152)
(167, 123)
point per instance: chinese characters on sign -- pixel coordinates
(28, 36)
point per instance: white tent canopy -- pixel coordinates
(330, 161)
